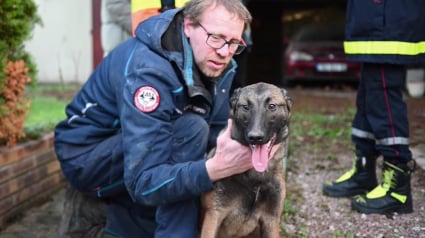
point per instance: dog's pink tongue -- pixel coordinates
(260, 157)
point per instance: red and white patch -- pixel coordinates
(146, 99)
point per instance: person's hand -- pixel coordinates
(230, 157)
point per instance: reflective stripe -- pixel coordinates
(385, 141)
(143, 4)
(362, 134)
(384, 47)
(393, 141)
(400, 197)
(137, 5)
(377, 192)
(143, 9)
(180, 3)
(347, 175)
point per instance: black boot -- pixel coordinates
(392, 195)
(359, 180)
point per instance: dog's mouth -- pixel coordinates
(261, 155)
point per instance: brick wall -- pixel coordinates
(29, 175)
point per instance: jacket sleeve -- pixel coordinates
(150, 175)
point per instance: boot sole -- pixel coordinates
(340, 194)
(398, 209)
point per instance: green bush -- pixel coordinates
(17, 20)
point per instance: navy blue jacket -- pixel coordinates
(385, 31)
(156, 66)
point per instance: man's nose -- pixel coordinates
(224, 51)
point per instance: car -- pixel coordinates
(316, 53)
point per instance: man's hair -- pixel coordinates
(195, 8)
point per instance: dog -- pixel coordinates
(250, 204)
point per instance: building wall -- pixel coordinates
(62, 46)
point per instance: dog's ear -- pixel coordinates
(233, 100)
(288, 99)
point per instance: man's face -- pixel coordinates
(220, 22)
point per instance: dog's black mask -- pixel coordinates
(261, 113)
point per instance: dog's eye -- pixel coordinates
(272, 107)
(244, 107)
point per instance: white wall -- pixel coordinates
(62, 46)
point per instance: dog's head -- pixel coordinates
(261, 114)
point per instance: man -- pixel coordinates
(142, 10)
(385, 36)
(138, 131)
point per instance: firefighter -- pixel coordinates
(385, 36)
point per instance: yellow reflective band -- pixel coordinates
(347, 175)
(180, 3)
(384, 47)
(144, 4)
(400, 197)
(377, 192)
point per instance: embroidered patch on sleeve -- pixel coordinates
(146, 99)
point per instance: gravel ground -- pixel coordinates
(321, 216)
(308, 213)
(38, 222)
(316, 215)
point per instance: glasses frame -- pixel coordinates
(240, 46)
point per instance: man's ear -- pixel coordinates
(187, 26)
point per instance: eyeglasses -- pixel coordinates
(217, 42)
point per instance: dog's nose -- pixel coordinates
(255, 138)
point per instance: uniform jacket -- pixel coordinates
(143, 9)
(138, 90)
(385, 31)
(116, 23)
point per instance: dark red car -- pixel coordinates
(316, 53)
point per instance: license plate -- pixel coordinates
(331, 67)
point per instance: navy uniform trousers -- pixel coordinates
(101, 166)
(380, 125)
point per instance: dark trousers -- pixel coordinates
(380, 125)
(99, 172)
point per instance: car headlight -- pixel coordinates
(300, 56)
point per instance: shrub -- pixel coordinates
(17, 19)
(14, 108)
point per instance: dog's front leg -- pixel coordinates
(271, 223)
(210, 225)
(211, 218)
(271, 230)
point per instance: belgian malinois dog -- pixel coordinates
(250, 204)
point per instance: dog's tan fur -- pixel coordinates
(250, 204)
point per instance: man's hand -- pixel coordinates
(230, 157)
